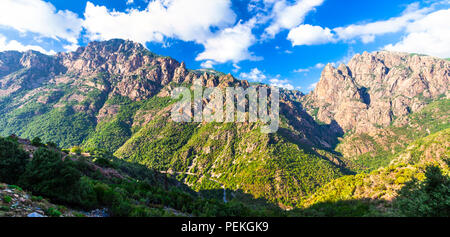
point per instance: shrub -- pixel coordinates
(53, 212)
(7, 199)
(36, 141)
(15, 187)
(12, 161)
(76, 149)
(47, 174)
(36, 198)
(427, 198)
(105, 195)
(52, 145)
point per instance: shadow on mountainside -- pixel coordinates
(429, 198)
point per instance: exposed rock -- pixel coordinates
(34, 214)
(375, 88)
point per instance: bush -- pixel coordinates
(53, 212)
(7, 199)
(36, 198)
(427, 198)
(105, 195)
(36, 141)
(47, 174)
(52, 145)
(12, 161)
(15, 187)
(76, 149)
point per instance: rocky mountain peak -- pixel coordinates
(376, 88)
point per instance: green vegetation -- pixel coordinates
(393, 140)
(419, 190)
(128, 190)
(12, 161)
(126, 155)
(428, 198)
(7, 199)
(112, 134)
(64, 125)
(53, 212)
(216, 154)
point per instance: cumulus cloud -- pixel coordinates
(230, 44)
(426, 31)
(40, 17)
(310, 35)
(185, 20)
(286, 16)
(207, 64)
(15, 45)
(367, 32)
(281, 83)
(429, 35)
(254, 75)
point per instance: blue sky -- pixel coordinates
(280, 42)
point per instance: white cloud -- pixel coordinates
(312, 86)
(310, 35)
(71, 47)
(184, 20)
(429, 35)
(281, 83)
(15, 45)
(368, 31)
(236, 67)
(287, 16)
(317, 66)
(254, 75)
(40, 17)
(230, 44)
(129, 2)
(207, 64)
(300, 70)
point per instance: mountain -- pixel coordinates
(376, 89)
(114, 96)
(95, 183)
(382, 101)
(415, 183)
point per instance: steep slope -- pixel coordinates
(97, 182)
(375, 89)
(395, 190)
(432, 148)
(381, 103)
(232, 156)
(371, 150)
(115, 95)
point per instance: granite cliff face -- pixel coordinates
(376, 89)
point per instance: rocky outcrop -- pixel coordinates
(376, 88)
(14, 202)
